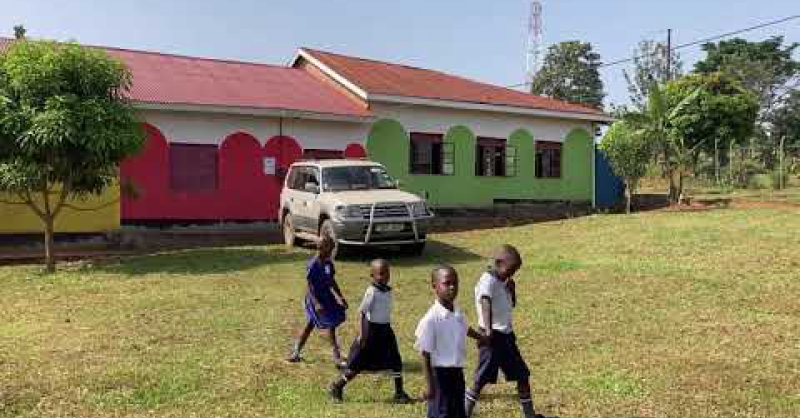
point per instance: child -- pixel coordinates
(375, 349)
(441, 336)
(324, 303)
(495, 298)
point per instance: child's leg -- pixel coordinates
(400, 394)
(525, 398)
(336, 389)
(471, 398)
(337, 354)
(300, 342)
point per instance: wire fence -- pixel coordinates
(753, 167)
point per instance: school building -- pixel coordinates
(221, 134)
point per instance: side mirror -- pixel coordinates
(312, 188)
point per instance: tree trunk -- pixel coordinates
(628, 198)
(49, 256)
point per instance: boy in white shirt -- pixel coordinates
(495, 298)
(441, 339)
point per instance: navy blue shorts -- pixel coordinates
(503, 354)
(448, 400)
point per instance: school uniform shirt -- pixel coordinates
(490, 286)
(443, 334)
(377, 304)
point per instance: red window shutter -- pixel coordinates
(193, 167)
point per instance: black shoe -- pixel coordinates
(401, 397)
(336, 392)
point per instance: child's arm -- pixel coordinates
(430, 390)
(477, 336)
(511, 285)
(362, 338)
(486, 310)
(338, 292)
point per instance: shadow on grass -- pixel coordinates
(435, 252)
(201, 261)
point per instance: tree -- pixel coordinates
(655, 122)
(765, 68)
(19, 32)
(64, 127)
(723, 113)
(570, 72)
(628, 152)
(650, 66)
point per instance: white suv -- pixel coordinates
(355, 202)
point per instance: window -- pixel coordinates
(322, 154)
(494, 158)
(192, 167)
(357, 178)
(548, 159)
(431, 155)
(300, 176)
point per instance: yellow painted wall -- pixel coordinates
(19, 219)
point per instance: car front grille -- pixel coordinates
(385, 211)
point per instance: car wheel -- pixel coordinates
(289, 238)
(327, 229)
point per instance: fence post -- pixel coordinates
(781, 180)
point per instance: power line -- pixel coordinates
(693, 43)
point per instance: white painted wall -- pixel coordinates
(213, 128)
(490, 124)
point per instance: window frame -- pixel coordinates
(442, 155)
(499, 148)
(549, 150)
(174, 183)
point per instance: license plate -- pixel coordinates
(389, 227)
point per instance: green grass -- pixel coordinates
(664, 314)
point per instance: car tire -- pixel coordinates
(289, 237)
(327, 229)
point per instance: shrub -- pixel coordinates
(760, 181)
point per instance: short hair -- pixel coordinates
(441, 270)
(325, 239)
(508, 250)
(379, 262)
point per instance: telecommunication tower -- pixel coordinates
(533, 54)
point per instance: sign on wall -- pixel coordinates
(270, 166)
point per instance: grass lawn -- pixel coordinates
(664, 314)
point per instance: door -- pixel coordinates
(303, 201)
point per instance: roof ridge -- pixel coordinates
(167, 54)
(463, 78)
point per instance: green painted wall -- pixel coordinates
(388, 144)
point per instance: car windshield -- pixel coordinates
(356, 178)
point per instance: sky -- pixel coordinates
(479, 39)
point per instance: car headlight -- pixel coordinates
(349, 211)
(420, 209)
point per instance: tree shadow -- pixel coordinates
(200, 261)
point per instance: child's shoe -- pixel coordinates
(401, 397)
(336, 392)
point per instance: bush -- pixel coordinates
(776, 179)
(760, 181)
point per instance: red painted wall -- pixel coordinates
(245, 192)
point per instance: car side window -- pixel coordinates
(313, 176)
(297, 178)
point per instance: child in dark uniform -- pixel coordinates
(495, 298)
(324, 303)
(441, 339)
(375, 349)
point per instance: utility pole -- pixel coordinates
(669, 55)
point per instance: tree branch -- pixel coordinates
(29, 200)
(61, 199)
(92, 209)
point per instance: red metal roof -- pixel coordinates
(173, 79)
(376, 77)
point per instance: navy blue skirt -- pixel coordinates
(380, 351)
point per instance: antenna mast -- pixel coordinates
(533, 54)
